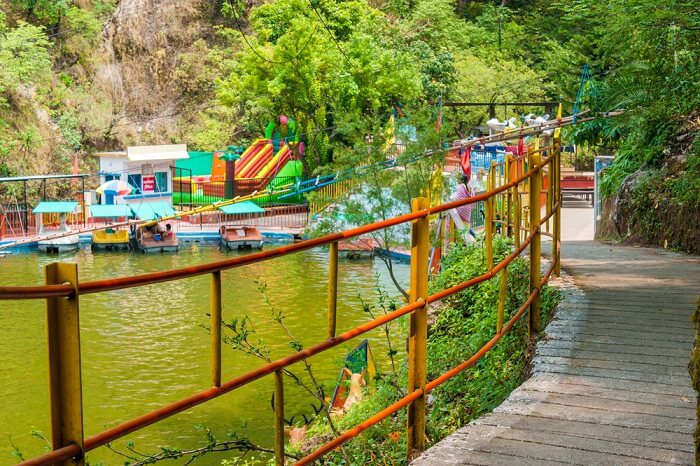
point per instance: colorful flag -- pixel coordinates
(465, 161)
(558, 130)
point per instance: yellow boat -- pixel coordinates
(110, 239)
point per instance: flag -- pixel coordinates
(465, 161)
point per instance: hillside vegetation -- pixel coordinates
(85, 75)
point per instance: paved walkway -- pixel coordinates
(609, 382)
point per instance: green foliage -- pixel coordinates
(322, 68)
(652, 74)
(47, 12)
(24, 58)
(664, 204)
(466, 324)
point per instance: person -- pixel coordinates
(462, 215)
(159, 231)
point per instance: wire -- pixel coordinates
(332, 36)
(245, 39)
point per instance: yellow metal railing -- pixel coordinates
(62, 293)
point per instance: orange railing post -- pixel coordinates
(535, 246)
(279, 418)
(65, 387)
(502, 291)
(517, 207)
(332, 287)
(490, 215)
(555, 179)
(215, 323)
(509, 199)
(418, 337)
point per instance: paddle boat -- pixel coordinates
(235, 237)
(112, 238)
(57, 239)
(155, 237)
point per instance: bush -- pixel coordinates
(465, 324)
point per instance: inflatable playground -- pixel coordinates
(264, 166)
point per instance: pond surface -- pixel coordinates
(145, 347)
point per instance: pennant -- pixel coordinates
(557, 131)
(465, 161)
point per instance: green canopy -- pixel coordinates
(245, 207)
(112, 210)
(59, 207)
(152, 210)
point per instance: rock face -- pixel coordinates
(143, 45)
(624, 207)
(647, 211)
(694, 369)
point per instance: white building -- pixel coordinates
(148, 169)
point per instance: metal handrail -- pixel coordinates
(97, 286)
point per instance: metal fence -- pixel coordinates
(191, 191)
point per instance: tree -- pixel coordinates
(321, 66)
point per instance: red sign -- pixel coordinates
(148, 184)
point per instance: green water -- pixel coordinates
(145, 347)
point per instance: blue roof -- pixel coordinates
(112, 210)
(151, 210)
(52, 207)
(245, 207)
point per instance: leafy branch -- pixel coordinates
(137, 458)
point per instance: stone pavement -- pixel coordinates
(609, 381)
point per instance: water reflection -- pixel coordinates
(144, 347)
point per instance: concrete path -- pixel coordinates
(609, 382)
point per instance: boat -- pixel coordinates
(234, 237)
(356, 249)
(62, 242)
(358, 368)
(155, 238)
(111, 238)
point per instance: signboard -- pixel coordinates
(148, 181)
(600, 163)
(148, 184)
